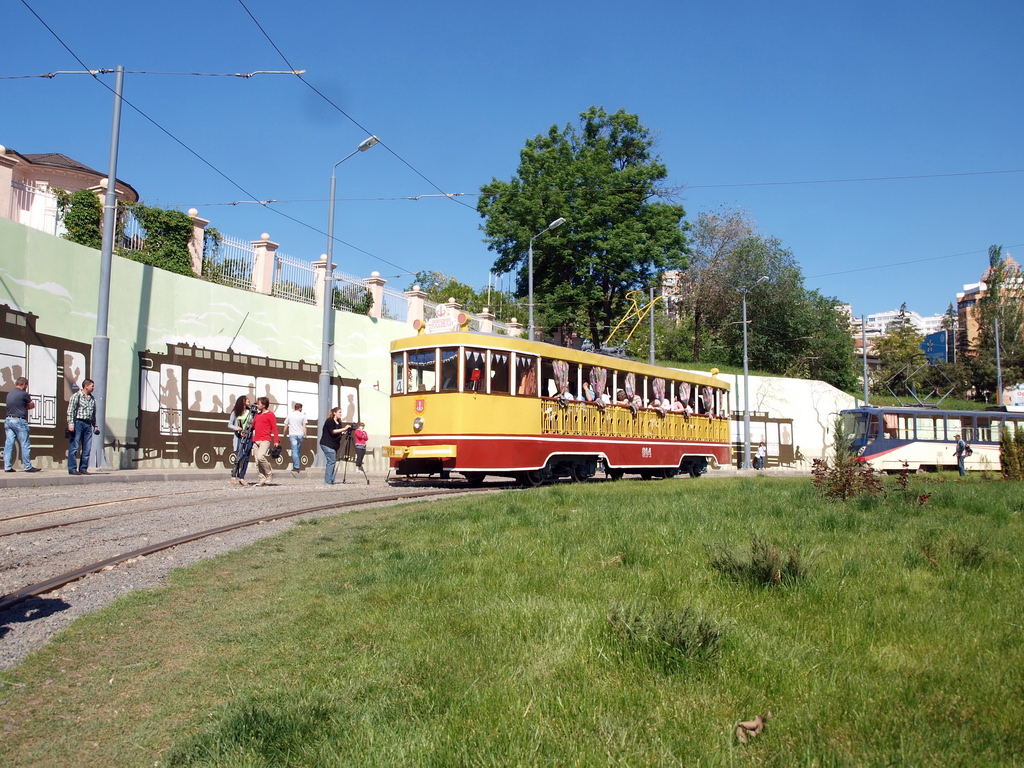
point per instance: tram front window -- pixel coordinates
(422, 371)
(860, 427)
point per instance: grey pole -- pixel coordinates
(864, 350)
(746, 377)
(999, 369)
(327, 341)
(652, 326)
(101, 342)
(553, 225)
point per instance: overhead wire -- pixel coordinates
(355, 122)
(191, 151)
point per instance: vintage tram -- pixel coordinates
(482, 404)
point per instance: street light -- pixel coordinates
(553, 225)
(326, 353)
(746, 376)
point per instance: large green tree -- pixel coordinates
(902, 365)
(602, 177)
(1001, 302)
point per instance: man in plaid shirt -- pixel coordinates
(81, 427)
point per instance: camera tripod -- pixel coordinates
(347, 455)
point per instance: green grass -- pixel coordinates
(570, 625)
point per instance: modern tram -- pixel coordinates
(489, 405)
(894, 439)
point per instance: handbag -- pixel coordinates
(275, 452)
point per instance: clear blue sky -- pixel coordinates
(746, 98)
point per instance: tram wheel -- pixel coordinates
(474, 479)
(577, 473)
(532, 478)
(646, 474)
(615, 474)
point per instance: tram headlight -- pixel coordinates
(417, 424)
(860, 451)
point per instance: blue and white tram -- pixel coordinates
(893, 439)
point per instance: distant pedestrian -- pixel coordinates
(16, 426)
(360, 439)
(81, 426)
(330, 442)
(296, 426)
(264, 427)
(762, 456)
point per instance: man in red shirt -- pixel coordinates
(264, 427)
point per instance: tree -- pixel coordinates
(81, 213)
(601, 177)
(1001, 302)
(901, 361)
(440, 287)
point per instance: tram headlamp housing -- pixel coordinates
(417, 424)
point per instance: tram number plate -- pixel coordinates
(646, 453)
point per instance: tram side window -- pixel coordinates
(476, 364)
(967, 428)
(548, 386)
(398, 373)
(988, 430)
(526, 376)
(906, 427)
(931, 428)
(498, 375)
(449, 369)
(422, 371)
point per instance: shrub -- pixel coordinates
(666, 639)
(767, 566)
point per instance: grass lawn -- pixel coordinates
(568, 625)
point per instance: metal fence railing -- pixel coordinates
(230, 263)
(35, 208)
(395, 305)
(295, 280)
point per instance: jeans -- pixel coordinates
(81, 437)
(16, 429)
(360, 453)
(296, 441)
(331, 456)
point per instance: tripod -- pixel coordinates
(346, 455)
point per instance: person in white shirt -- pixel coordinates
(296, 426)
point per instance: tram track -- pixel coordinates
(48, 585)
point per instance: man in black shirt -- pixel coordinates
(16, 425)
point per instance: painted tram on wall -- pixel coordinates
(482, 404)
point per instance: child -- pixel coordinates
(360, 438)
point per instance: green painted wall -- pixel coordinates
(149, 308)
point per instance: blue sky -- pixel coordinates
(746, 99)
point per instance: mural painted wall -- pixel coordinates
(153, 312)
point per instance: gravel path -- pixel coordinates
(29, 558)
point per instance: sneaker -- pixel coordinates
(10, 470)
(83, 472)
(33, 469)
(72, 472)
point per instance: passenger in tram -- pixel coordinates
(620, 397)
(677, 406)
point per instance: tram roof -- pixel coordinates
(925, 410)
(543, 349)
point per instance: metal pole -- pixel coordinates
(652, 326)
(864, 351)
(746, 391)
(101, 342)
(530, 278)
(999, 369)
(327, 340)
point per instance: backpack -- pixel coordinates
(968, 451)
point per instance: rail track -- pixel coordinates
(48, 585)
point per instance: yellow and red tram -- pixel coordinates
(481, 404)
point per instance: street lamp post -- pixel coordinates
(746, 377)
(553, 225)
(327, 346)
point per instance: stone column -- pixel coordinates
(486, 321)
(6, 180)
(320, 278)
(415, 297)
(515, 328)
(263, 264)
(375, 284)
(195, 245)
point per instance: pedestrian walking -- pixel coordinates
(240, 425)
(81, 427)
(762, 456)
(264, 427)
(296, 426)
(962, 452)
(330, 442)
(16, 426)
